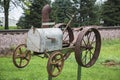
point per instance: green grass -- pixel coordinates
(10, 27)
(36, 70)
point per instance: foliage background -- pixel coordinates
(89, 12)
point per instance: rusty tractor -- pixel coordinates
(57, 43)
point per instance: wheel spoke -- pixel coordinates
(53, 63)
(27, 55)
(52, 68)
(26, 59)
(20, 62)
(17, 56)
(20, 50)
(88, 38)
(56, 61)
(65, 37)
(85, 57)
(59, 60)
(92, 42)
(84, 42)
(90, 55)
(59, 68)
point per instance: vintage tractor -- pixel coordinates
(57, 43)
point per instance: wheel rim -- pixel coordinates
(68, 35)
(55, 64)
(21, 56)
(87, 47)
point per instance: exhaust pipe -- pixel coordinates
(45, 16)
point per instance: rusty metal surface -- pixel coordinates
(87, 47)
(55, 64)
(45, 15)
(21, 56)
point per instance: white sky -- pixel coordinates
(17, 12)
(14, 14)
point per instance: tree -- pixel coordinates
(58, 8)
(85, 8)
(87, 13)
(98, 11)
(111, 13)
(32, 15)
(6, 4)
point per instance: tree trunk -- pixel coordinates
(6, 12)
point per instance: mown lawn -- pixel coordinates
(36, 70)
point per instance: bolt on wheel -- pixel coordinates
(87, 47)
(55, 64)
(21, 56)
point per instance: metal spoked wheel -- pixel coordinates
(67, 33)
(87, 47)
(55, 64)
(21, 56)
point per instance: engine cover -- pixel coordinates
(44, 39)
